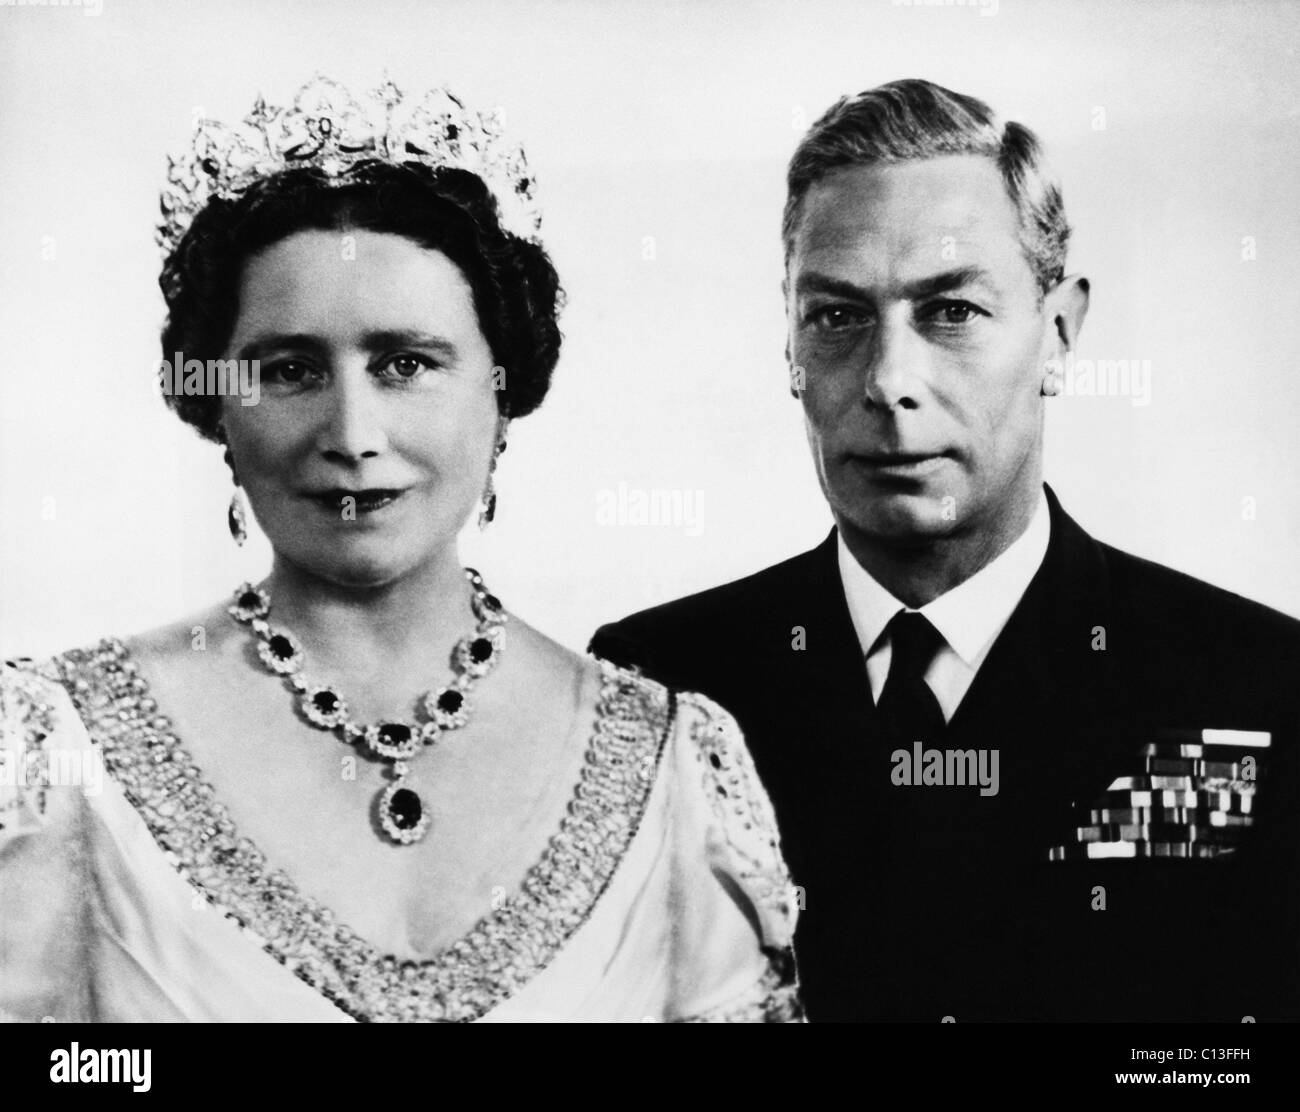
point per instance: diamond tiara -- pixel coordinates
(330, 130)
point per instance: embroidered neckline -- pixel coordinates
(500, 954)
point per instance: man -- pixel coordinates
(984, 732)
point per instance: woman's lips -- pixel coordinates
(339, 501)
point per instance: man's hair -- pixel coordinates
(914, 119)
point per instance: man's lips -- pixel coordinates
(901, 464)
(896, 457)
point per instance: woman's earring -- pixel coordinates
(236, 518)
(1051, 384)
(488, 512)
(489, 508)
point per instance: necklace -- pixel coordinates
(401, 812)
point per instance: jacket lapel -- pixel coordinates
(1046, 676)
(818, 714)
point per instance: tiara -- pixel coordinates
(330, 130)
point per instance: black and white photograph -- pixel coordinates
(739, 511)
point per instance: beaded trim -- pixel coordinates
(467, 979)
(732, 786)
(773, 999)
(745, 814)
(25, 714)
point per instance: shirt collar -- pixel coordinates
(971, 614)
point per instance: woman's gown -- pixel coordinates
(130, 896)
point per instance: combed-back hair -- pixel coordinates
(915, 119)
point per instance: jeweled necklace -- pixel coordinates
(402, 813)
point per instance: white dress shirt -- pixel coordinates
(969, 617)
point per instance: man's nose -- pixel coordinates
(891, 375)
(353, 428)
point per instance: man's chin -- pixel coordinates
(900, 519)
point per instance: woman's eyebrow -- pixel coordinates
(379, 340)
(265, 342)
(389, 338)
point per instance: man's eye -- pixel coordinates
(955, 312)
(407, 366)
(836, 318)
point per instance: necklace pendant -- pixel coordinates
(402, 813)
(394, 741)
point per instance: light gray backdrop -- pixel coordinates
(659, 132)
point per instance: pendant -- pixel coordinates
(394, 741)
(402, 813)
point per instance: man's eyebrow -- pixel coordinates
(813, 282)
(947, 281)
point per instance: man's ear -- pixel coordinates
(795, 379)
(789, 364)
(1068, 306)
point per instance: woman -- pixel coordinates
(307, 813)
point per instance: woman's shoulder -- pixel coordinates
(708, 743)
(735, 926)
(179, 644)
(36, 694)
(31, 696)
(47, 767)
(44, 747)
(744, 840)
(91, 664)
(721, 794)
(78, 680)
(93, 683)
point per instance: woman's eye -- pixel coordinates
(408, 366)
(289, 371)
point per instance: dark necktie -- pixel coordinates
(908, 708)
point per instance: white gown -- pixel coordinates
(662, 896)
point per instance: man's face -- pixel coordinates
(917, 323)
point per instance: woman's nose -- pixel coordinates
(354, 428)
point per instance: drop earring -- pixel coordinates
(236, 515)
(488, 512)
(236, 518)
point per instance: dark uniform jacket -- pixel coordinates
(934, 901)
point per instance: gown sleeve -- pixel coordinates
(44, 755)
(738, 907)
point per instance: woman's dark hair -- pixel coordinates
(516, 291)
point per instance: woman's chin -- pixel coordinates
(365, 578)
(357, 568)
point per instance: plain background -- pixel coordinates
(659, 133)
